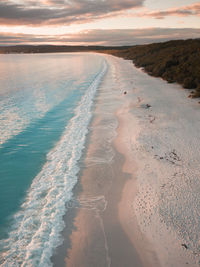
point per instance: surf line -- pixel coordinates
(39, 222)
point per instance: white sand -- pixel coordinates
(163, 141)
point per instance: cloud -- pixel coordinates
(103, 37)
(189, 10)
(17, 39)
(61, 11)
(131, 37)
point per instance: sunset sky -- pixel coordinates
(97, 22)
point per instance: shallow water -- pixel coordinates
(45, 110)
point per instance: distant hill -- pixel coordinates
(174, 61)
(52, 49)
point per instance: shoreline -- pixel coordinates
(138, 189)
(95, 235)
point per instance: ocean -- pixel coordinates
(46, 103)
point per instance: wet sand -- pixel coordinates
(98, 238)
(95, 233)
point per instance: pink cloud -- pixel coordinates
(189, 10)
(44, 12)
(102, 37)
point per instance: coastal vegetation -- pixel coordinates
(174, 61)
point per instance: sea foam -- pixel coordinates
(37, 226)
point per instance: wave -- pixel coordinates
(39, 222)
(22, 108)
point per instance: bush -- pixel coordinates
(189, 83)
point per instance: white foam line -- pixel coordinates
(37, 227)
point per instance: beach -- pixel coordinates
(96, 235)
(105, 174)
(136, 202)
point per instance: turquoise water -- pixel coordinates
(45, 109)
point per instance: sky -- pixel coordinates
(97, 22)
